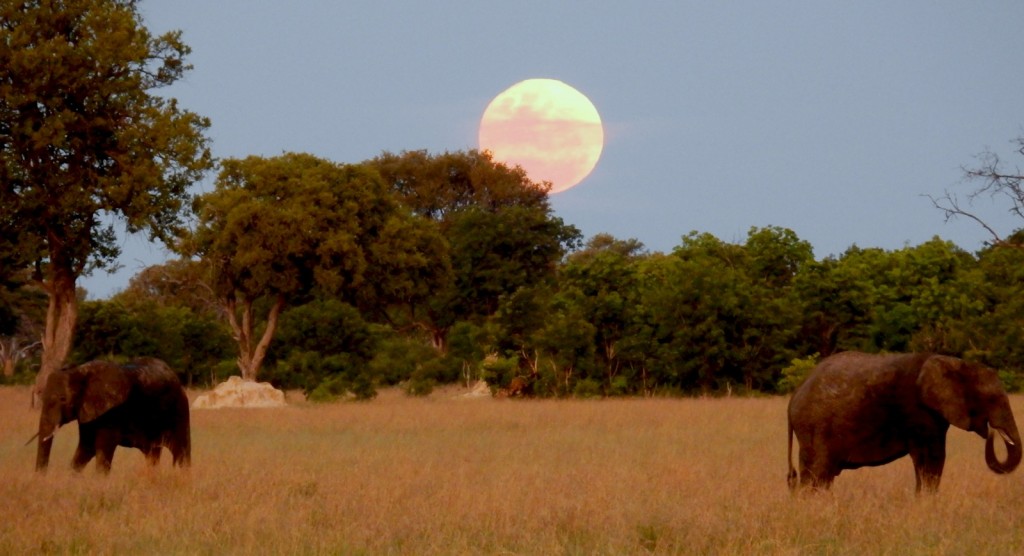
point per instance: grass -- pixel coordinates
(455, 476)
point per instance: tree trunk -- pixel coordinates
(8, 353)
(61, 316)
(250, 354)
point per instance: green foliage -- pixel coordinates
(466, 348)
(439, 186)
(499, 229)
(324, 347)
(193, 345)
(288, 227)
(87, 144)
(82, 134)
(496, 253)
(338, 387)
(1013, 381)
(615, 321)
(401, 358)
(499, 371)
(587, 388)
(794, 374)
(419, 270)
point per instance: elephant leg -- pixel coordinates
(816, 469)
(83, 454)
(153, 455)
(929, 460)
(181, 456)
(818, 479)
(86, 449)
(106, 443)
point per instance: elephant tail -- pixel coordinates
(791, 476)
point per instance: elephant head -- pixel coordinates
(81, 393)
(971, 397)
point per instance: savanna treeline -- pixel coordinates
(416, 270)
(412, 269)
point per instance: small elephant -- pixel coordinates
(138, 405)
(857, 409)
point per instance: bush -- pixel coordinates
(793, 375)
(323, 378)
(619, 386)
(24, 373)
(498, 372)
(587, 388)
(336, 387)
(399, 358)
(419, 386)
(1012, 381)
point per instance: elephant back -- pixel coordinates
(152, 375)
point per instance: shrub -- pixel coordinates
(499, 371)
(793, 375)
(587, 388)
(398, 358)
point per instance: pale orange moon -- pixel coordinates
(548, 128)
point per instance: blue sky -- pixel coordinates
(832, 119)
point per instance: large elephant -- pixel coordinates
(857, 410)
(138, 405)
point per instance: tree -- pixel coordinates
(437, 186)
(713, 314)
(601, 244)
(465, 194)
(22, 310)
(604, 273)
(176, 282)
(986, 320)
(496, 253)
(837, 298)
(996, 181)
(324, 344)
(85, 143)
(275, 229)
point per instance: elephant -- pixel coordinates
(858, 409)
(137, 405)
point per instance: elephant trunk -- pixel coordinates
(47, 428)
(1006, 428)
(43, 452)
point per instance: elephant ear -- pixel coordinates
(942, 389)
(104, 387)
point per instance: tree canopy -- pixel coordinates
(85, 143)
(284, 228)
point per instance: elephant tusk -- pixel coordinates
(1006, 437)
(45, 439)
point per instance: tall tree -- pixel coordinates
(85, 143)
(275, 228)
(605, 275)
(437, 186)
(497, 222)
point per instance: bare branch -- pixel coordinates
(949, 204)
(995, 182)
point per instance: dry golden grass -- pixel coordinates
(454, 476)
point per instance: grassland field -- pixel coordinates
(451, 475)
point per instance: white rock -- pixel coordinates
(236, 392)
(478, 390)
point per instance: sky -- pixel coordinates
(832, 119)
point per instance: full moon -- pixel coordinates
(548, 128)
